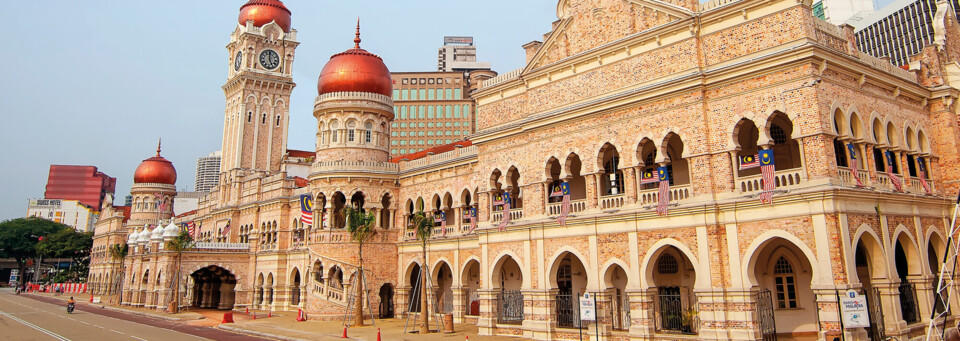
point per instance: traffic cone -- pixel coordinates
(247, 311)
(344, 332)
(269, 314)
(91, 298)
(254, 315)
(378, 334)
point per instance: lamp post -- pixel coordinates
(36, 273)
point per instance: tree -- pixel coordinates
(360, 226)
(67, 242)
(19, 238)
(178, 244)
(118, 253)
(423, 224)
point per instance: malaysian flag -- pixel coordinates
(441, 217)
(767, 175)
(160, 203)
(473, 219)
(749, 161)
(306, 209)
(562, 190)
(923, 175)
(648, 177)
(226, 229)
(853, 163)
(894, 179)
(663, 197)
(506, 212)
(191, 228)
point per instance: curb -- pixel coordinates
(142, 313)
(257, 333)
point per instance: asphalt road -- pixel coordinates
(27, 317)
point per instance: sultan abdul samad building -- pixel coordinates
(865, 168)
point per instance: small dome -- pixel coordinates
(171, 231)
(155, 170)
(157, 233)
(355, 70)
(263, 12)
(132, 238)
(144, 236)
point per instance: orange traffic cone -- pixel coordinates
(269, 314)
(254, 315)
(378, 334)
(247, 311)
(91, 298)
(344, 332)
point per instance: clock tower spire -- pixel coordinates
(258, 87)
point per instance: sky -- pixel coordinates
(98, 82)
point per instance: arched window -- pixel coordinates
(278, 120)
(351, 131)
(249, 116)
(667, 264)
(333, 131)
(785, 283)
(263, 118)
(368, 132)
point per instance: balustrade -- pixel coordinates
(783, 179)
(576, 206)
(611, 201)
(677, 193)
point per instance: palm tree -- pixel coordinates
(360, 226)
(178, 244)
(118, 252)
(423, 224)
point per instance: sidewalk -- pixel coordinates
(287, 328)
(84, 299)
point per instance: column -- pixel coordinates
(630, 185)
(593, 189)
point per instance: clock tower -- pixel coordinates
(259, 82)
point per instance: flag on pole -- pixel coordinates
(853, 163)
(894, 179)
(306, 209)
(192, 228)
(648, 177)
(923, 175)
(663, 196)
(160, 203)
(506, 212)
(473, 219)
(562, 190)
(226, 229)
(767, 176)
(749, 161)
(441, 217)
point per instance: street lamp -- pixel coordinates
(36, 273)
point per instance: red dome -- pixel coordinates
(355, 70)
(263, 12)
(155, 170)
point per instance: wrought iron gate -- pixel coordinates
(510, 307)
(567, 315)
(620, 312)
(875, 309)
(768, 324)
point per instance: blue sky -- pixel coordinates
(97, 82)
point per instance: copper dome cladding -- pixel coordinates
(155, 170)
(263, 12)
(355, 70)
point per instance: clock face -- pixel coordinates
(237, 60)
(269, 59)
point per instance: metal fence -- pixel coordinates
(510, 307)
(672, 316)
(908, 302)
(566, 311)
(620, 313)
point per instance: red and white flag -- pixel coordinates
(923, 175)
(767, 175)
(506, 213)
(663, 196)
(854, 163)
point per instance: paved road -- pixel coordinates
(28, 317)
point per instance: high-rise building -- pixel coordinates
(459, 54)
(431, 108)
(72, 213)
(82, 183)
(900, 29)
(208, 172)
(838, 11)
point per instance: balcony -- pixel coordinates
(677, 193)
(229, 247)
(846, 176)
(611, 201)
(783, 179)
(917, 187)
(515, 214)
(576, 206)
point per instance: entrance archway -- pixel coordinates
(213, 288)
(443, 288)
(615, 282)
(674, 278)
(508, 278)
(570, 281)
(470, 280)
(386, 301)
(781, 269)
(295, 288)
(414, 304)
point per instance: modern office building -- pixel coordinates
(431, 108)
(83, 183)
(208, 172)
(899, 30)
(459, 54)
(69, 212)
(838, 11)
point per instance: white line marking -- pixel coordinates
(138, 338)
(117, 331)
(31, 325)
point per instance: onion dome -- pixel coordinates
(157, 233)
(171, 231)
(355, 70)
(263, 12)
(155, 170)
(132, 238)
(144, 236)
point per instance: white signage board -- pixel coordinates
(588, 308)
(96, 299)
(853, 310)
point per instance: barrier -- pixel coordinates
(227, 318)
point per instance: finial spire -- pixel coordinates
(158, 145)
(356, 41)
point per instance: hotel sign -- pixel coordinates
(45, 202)
(458, 40)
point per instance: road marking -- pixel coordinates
(138, 338)
(31, 325)
(117, 331)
